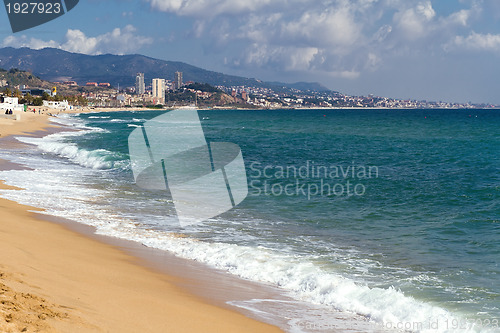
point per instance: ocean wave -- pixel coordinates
(100, 159)
(73, 121)
(303, 280)
(99, 117)
(67, 119)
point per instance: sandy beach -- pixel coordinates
(53, 279)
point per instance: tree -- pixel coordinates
(82, 100)
(38, 101)
(203, 87)
(17, 93)
(27, 99)
(46, 96)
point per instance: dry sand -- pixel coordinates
(53, 279)
(29, 123)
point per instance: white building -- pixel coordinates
(159, 90)
(10, 103)
(121, 98)
(60, 105)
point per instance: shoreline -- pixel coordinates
(263, 302)
(93, 285)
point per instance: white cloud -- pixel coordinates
(479, 42)
(425, 9)
(341, 38)
(167, 5)
(461, 17)
(421, 28)
(329, 28)
(118, 41)
(302, 58)
(204, 8)
(351, 75)
(292, 35)
(24, 41)
(414, 22)
(311, 40)
(289, 58)
(77, 41)
(373, 61)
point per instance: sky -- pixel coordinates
(435, 50)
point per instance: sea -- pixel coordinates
(390, 215)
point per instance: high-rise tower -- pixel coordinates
(140, 88)
(178, 80)
(159, 90)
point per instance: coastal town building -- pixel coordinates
(140, 87)
(35, 91)
(178, 80)
(59, 105)
(158, 88)
(10, 103)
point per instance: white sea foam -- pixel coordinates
(299, 276)
(69, 120)
(99, 117)
(94, 159)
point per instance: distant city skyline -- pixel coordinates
(426, 50)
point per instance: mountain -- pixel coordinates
(58, 65)
(16, 77)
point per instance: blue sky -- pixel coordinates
(445, 50)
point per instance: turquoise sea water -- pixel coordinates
(390, 214)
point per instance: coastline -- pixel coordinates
(55, 279)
